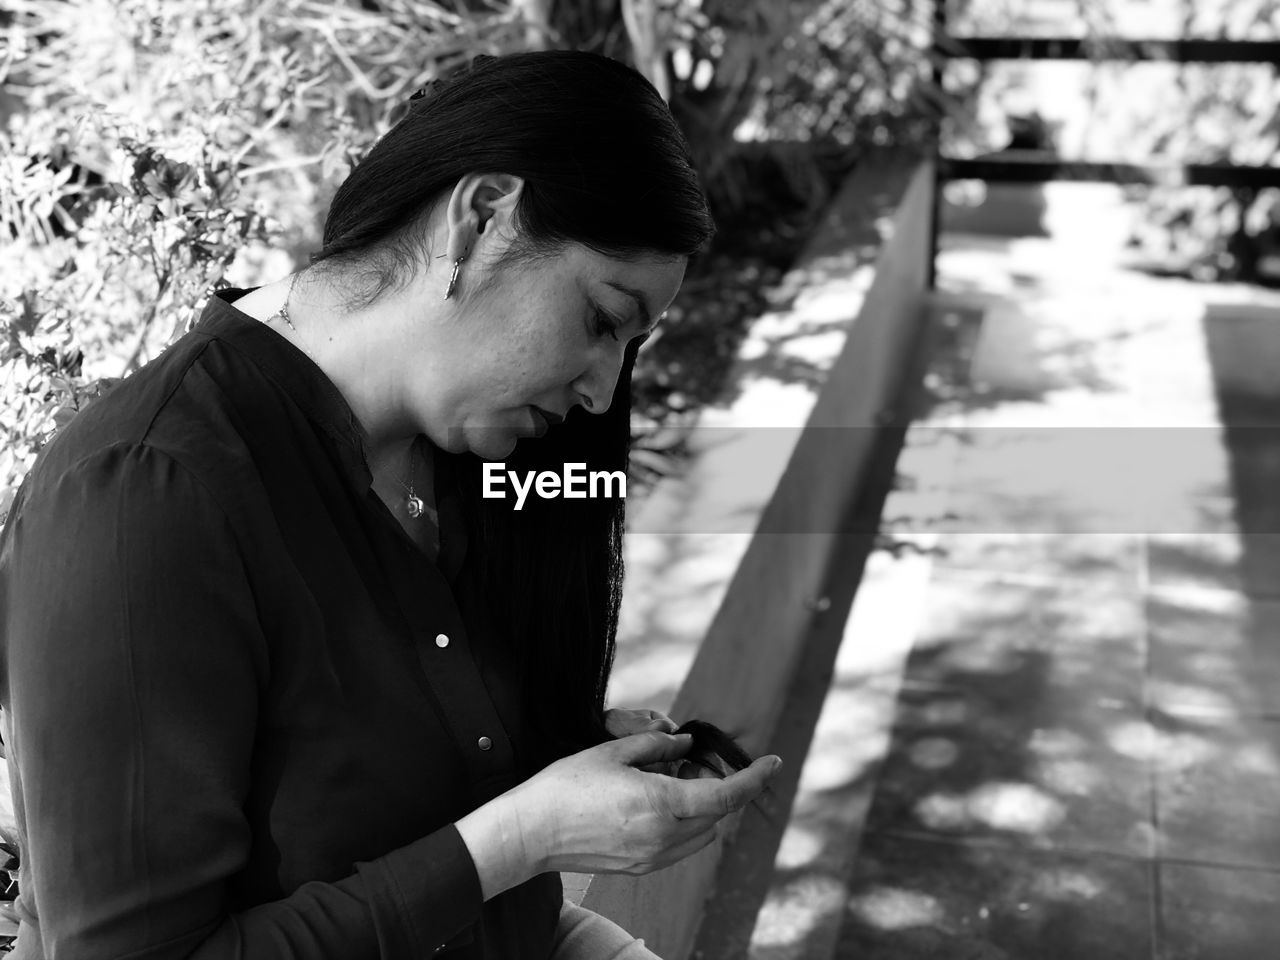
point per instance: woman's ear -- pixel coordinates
(481, 204)
(495, 200)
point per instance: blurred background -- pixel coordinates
(152, 150)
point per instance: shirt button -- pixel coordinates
(484, 743)
(442, 640)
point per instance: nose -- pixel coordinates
(597, 384)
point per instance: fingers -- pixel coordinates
(651, 747)
(661, 722)
(688, 770)
(622, 722)
(666, 768)
(617, 722)
(715, 797)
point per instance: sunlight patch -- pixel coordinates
(1019, 807)
(800, 846)
(934, 753)
(1056, 742)
(1132, 739)
(1067, 884)
(892, 908)
(793, 912)
(943, 811)
(1070, 776)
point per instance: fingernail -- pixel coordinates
(777, 765)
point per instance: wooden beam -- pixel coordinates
(1109, 48)
(1042, 168)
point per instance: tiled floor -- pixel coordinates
(1085, 758)
(1212, 913)
(917, 898)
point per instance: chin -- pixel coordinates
(487, 443)
(493, 445)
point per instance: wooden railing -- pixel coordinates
(1040, 167)
(870, 258)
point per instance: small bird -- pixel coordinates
(713, 750)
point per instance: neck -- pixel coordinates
(356, 350)
(398, 462)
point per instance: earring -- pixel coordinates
(453, 278)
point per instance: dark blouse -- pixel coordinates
(243, 710)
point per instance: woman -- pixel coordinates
(278, 681)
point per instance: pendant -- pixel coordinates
(415, 506)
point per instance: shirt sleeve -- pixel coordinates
(133, 666)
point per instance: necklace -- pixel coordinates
(413, 503)
(283, 312)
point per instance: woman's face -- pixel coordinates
(528, 343)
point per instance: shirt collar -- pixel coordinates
(299, 376)
(292, 370)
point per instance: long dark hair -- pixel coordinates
(605, 166)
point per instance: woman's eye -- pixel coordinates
(605, 324)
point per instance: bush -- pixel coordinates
(155, 150)
(150, 151)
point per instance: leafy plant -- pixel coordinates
(796, 86)
(8, 888)
(156, 149)
(153, 150)
(1160, 112)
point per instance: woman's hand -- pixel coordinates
(623, 722)
(597, 811)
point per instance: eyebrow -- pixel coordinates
(638, 297)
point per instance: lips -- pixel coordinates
(544, 420)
